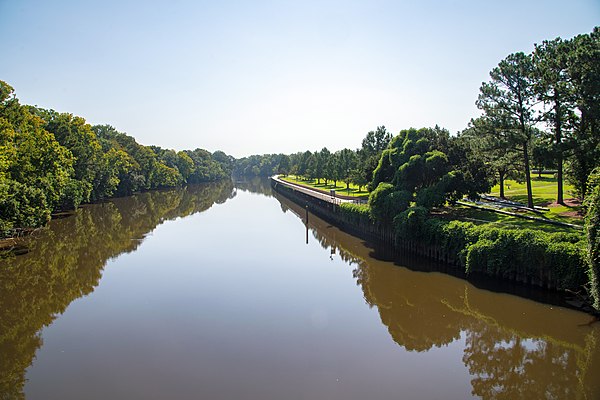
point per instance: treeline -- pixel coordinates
(51, 161)
(349, 166)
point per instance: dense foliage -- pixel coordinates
(262, 165)
(592, 228)
(424, 168)
(501, 251)
(355, 213)
(52, 161)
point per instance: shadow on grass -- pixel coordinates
(481, 217)
(543, 178)
(537, 200)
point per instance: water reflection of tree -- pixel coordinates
(259, 185)
(66, 262)
(507, 356)
(507, 366)
(509, 363)
(414, 315)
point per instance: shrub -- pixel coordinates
(411, 223)
(22, 206)
(592, 230)
(355, 212)
(500, 251)
(385, 202)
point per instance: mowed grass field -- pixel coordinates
(340, 188)
(480, 217)
(544, 189)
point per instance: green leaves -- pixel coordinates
(51, 161)
(592, 230)
(418, 164)
(386, 202)
(35, 169)
(22, 206)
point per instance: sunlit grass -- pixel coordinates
(340, 188)
(492, 218)
(544, 190)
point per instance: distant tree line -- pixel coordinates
(346, 165)
(51, 161)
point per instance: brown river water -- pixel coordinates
(221, 292)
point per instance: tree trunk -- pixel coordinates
(527, 176)
(559, 150)
(559, 176)
(501, 174)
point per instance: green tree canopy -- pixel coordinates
(423, 166)
(509, 100)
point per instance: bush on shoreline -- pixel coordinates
(504, 252)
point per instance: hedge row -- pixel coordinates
(524, 253)
(355, 213)
(501, 251)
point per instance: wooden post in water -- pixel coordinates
(307, 223)
(306, 233)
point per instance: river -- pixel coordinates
(220, 291)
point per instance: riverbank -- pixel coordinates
(19, 242)
(552, 261)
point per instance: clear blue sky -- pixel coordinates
(253, 77)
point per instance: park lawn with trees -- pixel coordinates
(556, 212)
(497, 220)
(545, 194)
(351, 190)
(544, 190)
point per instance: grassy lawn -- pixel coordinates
(544, 190)
(480, 217)
(353, 191)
